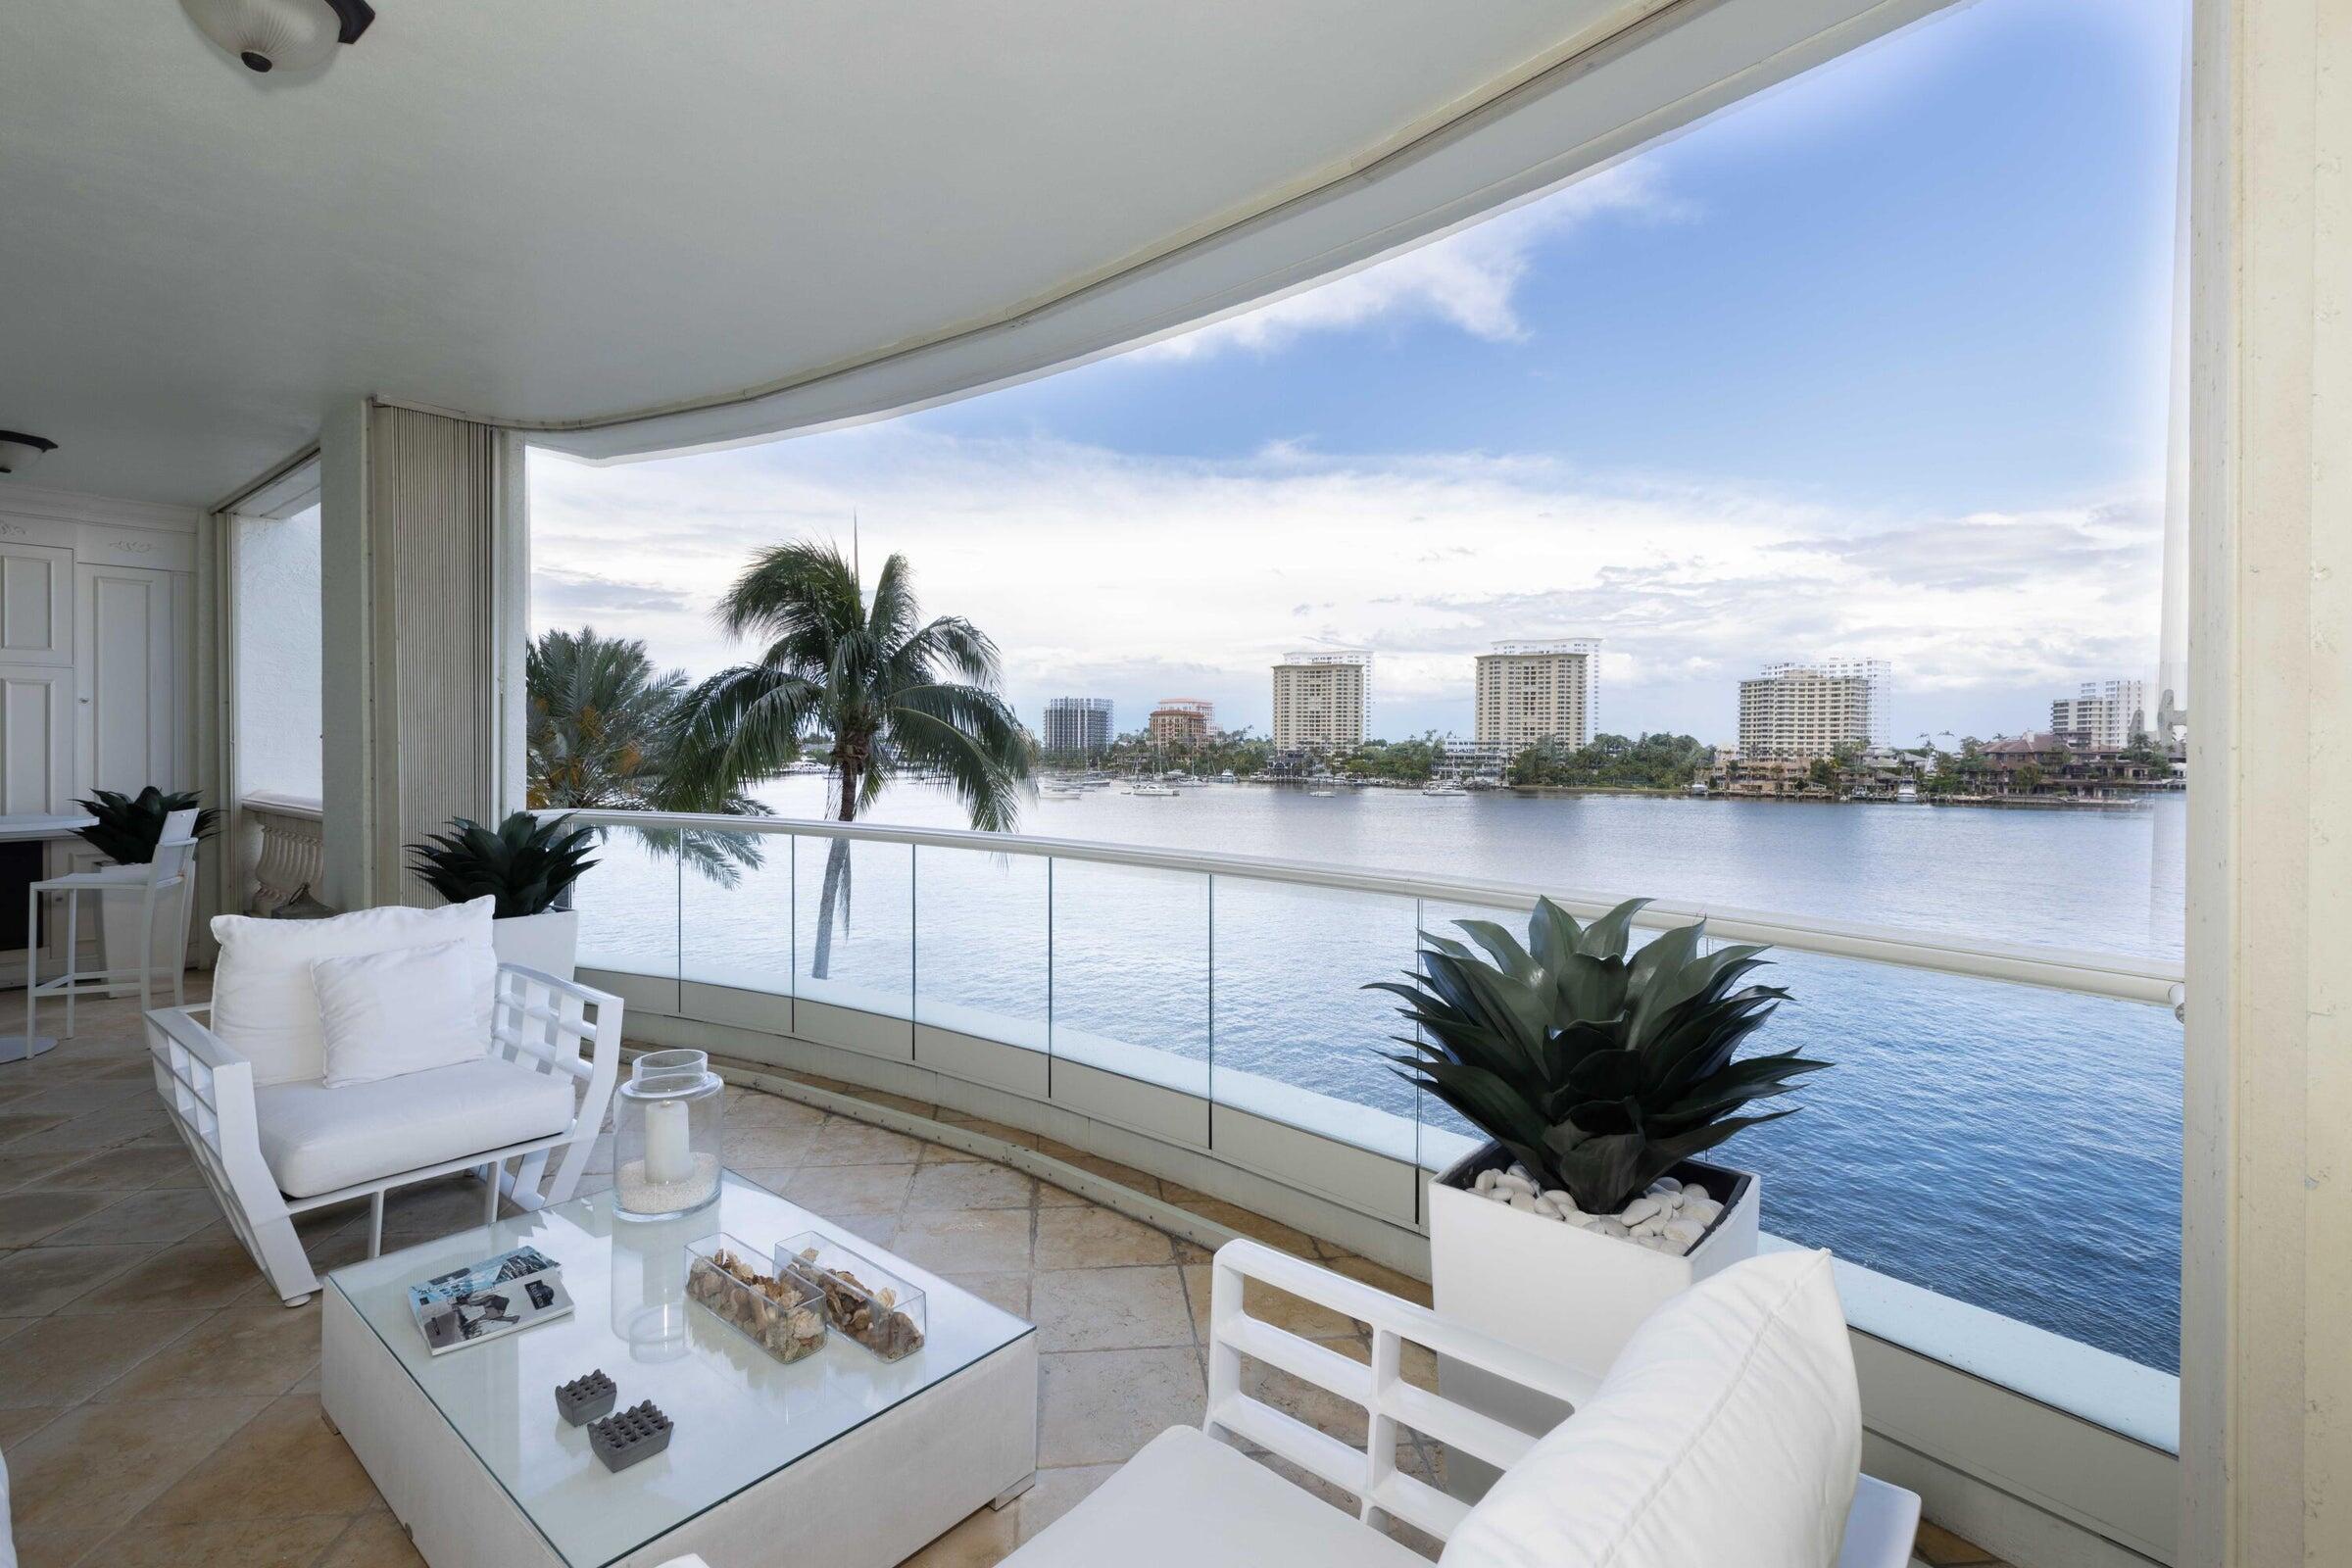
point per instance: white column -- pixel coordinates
(2267, 1287)
(413, 613)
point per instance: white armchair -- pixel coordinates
(1188, 1500)
(276, 1151)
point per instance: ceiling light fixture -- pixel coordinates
(281, 35)
(19, 451)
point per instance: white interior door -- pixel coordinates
(36, 730)
(127, 638)
(36, 605)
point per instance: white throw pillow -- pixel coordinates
(408, 1010)
(265, 1006)
(1727, 1431)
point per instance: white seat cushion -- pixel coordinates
(265, 1006)
(315, 1139)
(1727, 1431)
(1189, 1501)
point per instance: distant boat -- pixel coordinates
(1906, 792)
(1146, 787)
(1227, 777)
(1321, 795)
(1444, 789)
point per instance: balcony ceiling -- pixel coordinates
(566, 211)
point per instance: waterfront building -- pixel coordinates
(1322, 700)
(1814, 707)
(2105, 715)
(1076, 726)
(1180, 724)
(1538, 693)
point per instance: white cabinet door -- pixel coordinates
(127, 642)
(36, 605)
(36, 737)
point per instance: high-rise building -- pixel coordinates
(1076, 726)
(2107, 716)
(1180, 723)
(1322, 700)
(1534, 694)
(1812, 708)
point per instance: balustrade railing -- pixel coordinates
(1978, 1086)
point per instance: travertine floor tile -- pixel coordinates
(775, 1144)
(108, 1461)
(282, 1465)
(1007, 1290)
(966, 1240)
(1099, 1406)
(128, 1170)
(210, 1268)
(158, 1216)
(245, 1542)
(39, 1170)
(1111, 1309)
(36, 1213)
(1093, 1237)
(373, 1541)
(45, 1277)
(833, 1190)
(64, 1359)
(258, 1347)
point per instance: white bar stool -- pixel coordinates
(172, 869)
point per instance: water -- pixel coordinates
(2011, 1146)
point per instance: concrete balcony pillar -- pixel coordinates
(2265, 1361)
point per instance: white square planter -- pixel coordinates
(548, 942)
(1556, 1291)
(123, 944)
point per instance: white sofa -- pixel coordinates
(275, 1138)
(1666, 1475)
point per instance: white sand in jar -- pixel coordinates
(642, 1196)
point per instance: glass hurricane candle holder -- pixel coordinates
(667, 1121)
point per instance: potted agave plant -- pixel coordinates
(1599, 1078)
(529, 866)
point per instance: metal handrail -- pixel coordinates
(2089, 972)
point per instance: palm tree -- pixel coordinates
(602, 736)
(866, 683)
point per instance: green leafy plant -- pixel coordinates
(128, 827)
(527, 863)
(1600, 1074)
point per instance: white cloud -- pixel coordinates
(1469, 279)
(1143, 577)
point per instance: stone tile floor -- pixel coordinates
(159, 1406)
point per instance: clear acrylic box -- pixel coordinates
(783, 1313)
(864, 1301)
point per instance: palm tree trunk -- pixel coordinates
(837, 881)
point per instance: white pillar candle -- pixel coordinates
(667, 1155)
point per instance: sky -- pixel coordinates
(1874, 365)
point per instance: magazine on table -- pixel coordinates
(489, 1300)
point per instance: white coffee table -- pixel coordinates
(840, 1459)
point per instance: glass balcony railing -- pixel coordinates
(2001, 1127)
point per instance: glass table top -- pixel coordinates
(740, 1415)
